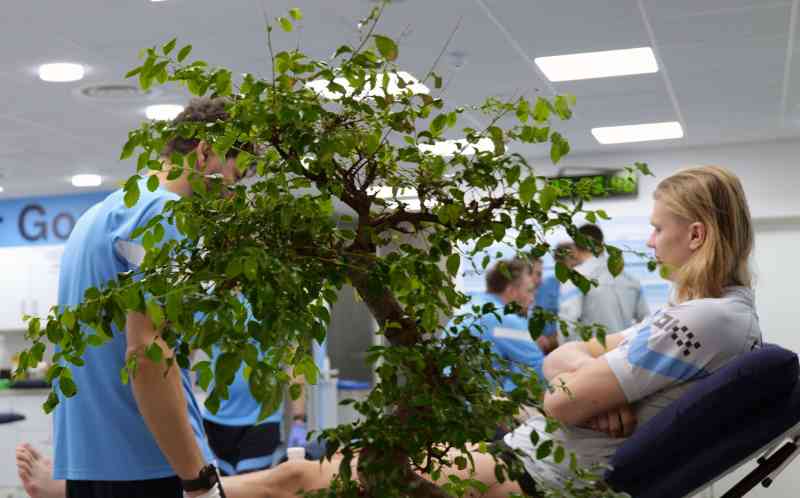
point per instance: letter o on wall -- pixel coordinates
(63, 224)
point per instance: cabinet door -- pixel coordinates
(14, 287)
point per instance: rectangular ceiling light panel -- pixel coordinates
(603, 64)
(638, 133)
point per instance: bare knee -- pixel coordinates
(297, 476)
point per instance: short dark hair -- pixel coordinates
(592, 231)
(505, 272)
(199, 110)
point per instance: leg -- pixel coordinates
(287, 480)
(36, 473)
(290, 478)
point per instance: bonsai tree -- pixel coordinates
(258, 266)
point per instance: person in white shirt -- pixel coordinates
(616, 303)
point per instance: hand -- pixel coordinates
(616, 423)
(297, 435)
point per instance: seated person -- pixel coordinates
(508, 281)
(703, 234)
(239, 441)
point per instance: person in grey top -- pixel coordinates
(616, 302)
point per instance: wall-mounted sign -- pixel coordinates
(615, 183)
(42, 220)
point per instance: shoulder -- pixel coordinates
(723, 323)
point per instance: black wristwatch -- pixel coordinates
(205, 480)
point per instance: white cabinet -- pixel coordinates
(28, 283)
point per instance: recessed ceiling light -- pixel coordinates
(638, 133)
(87, 180)
(61, 72)
(603, 64)
(163, 112)
(1, 190)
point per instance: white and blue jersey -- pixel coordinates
(655, 363)
(99, 434)
(508, 336)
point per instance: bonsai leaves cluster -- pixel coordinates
(258, 266)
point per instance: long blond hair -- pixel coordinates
(713, 196)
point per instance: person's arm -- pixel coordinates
(161, 400)
(578, 396)
(573, 355)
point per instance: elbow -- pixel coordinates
(556, 408)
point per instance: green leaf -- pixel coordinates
(285, 24)
(155, 313)
(615, 263)
(523, 111)
(484, 242)
(67, 386)
(642, 167)
(541, 111)
(184, 52)
(296, 14)
(547, 197)
(559, 454)
(544, 449)
(133, 72)
(166, 49)
(386, 47)
(562, 272)
(526, 189)
(512, 174)
(51, 403)
(295, 391)
(152, 183)
(131, 194)
(437, 80)
(453, 263)
(154, 352)
(68, 319)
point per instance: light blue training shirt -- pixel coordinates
(99, 433)
(241, 408)
(508, 336)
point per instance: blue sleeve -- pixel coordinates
(547, 298)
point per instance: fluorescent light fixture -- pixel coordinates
(163, 112)
(61, 72)
(86, 180)
(448, 148)
(412, 86)
(603, 64)
(638, 133)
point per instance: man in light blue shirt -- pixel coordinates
(506, 282)
(135, 440)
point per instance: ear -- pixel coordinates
(697, 235)
(202, 150)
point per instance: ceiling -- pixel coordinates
(728, 70)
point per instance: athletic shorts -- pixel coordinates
(167, 487)
(242, 449)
